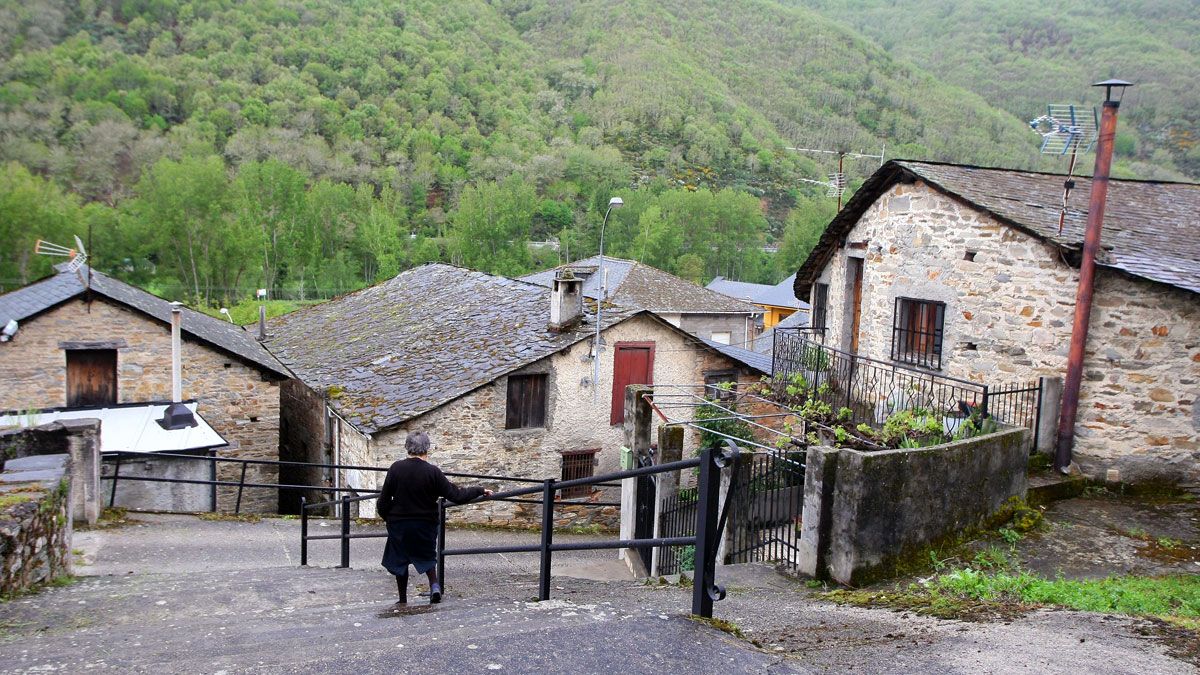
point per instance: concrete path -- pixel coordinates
(178, 594)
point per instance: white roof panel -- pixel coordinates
(130, 428)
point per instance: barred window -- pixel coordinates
(713, 388)
(917, 332)
(820, 305)
(578, 464)
(526, 408)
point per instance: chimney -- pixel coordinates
(262, 314)
(566, 301)
(177, 415)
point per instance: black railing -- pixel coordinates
(677, 518)
(705, 540)
(767, 496)
(1017, 404)
(870, 388)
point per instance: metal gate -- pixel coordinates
(677, 519)
(767, 499)
(643, 523)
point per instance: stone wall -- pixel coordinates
(866, 513)
(469, 437)
(1008, 318)
(739, 326)
(35, 522)
(78, 438)
(239, 401)
(302, 438)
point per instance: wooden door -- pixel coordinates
(91, 377)
(856, 275)
(633, 363)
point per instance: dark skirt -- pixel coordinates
(410, 542)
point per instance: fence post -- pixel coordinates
(441, 543)
(983, 408)
(704, 590)
(345, 531)
(1049, 406)
(241, 484)
(303, 532)
(112, 495)
(547, 539)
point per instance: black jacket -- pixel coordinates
(411, 490)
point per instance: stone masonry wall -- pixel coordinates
(739, 326)
(35, 522)
(1008, 318)
(469, 437)
(236, 399)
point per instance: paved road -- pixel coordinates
(177, 594)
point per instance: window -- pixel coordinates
(578, 464)
(713, 390)
(722, 337)
(917, 332)
(526, 408)
(820, 305)
(91, 377)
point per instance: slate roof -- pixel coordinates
(633, 284)
(431, 334)
(1149, 226)
(29, 301)
(778, 295)
(765, 343)
(753, 359)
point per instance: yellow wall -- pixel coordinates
(774, 315)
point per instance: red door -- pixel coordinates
(633, 364)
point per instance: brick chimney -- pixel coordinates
(566, 301)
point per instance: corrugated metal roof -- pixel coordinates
(1149, 226)
(40, 296)
(129, 428)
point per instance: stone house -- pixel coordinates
(498, 371)
(777, 302)
(697, 310)
(964, 271)
(92, 341)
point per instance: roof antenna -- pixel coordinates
(836, 182)
(1066, 130)
(77, 256)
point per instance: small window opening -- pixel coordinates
(970, 256)
(971, 347)
(578, 464)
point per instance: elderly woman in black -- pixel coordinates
(408, 502)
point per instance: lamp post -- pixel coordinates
(614, 203)
(1087, 273)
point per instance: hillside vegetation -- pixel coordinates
(1020, 55)
(314, 146)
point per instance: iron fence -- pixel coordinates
(677, 518)
(1017, 404)
(766, 502)
(871, 389)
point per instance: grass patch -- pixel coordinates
(110, 517)
(722, 625)
(55, 582)
(230, 517)
(8, 500)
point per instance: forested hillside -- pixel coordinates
(315, 146)
(1020, 55)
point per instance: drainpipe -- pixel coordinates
(1087, 277)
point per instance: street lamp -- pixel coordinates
(1087, 273)
(614, 203)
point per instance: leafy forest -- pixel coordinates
(208, 148)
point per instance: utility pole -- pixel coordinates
(1087, 274)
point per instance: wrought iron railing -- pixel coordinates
(870, 388)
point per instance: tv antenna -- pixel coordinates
(1067, 130)
(77, 256)
(836, 184)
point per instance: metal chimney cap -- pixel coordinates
(1113, 83)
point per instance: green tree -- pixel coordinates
(32, 208)
(490, 227)
(268, 199)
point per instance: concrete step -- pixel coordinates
(1050, 486)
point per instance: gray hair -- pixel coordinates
(417, 443)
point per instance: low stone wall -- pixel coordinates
(79, 438)
(145, 495)
(35, 523)
(866, 512)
